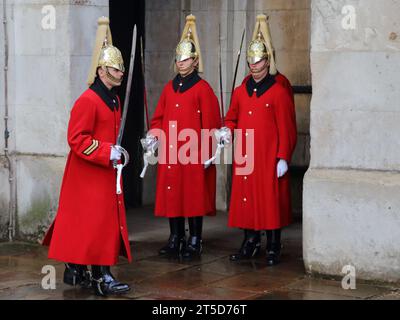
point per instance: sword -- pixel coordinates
(237, 64)
(220, 144)
(116, 165)
(220, 78)
(146, 108)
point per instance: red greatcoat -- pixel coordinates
(259, 200)
(284, 82)
(185, 189)
(90, 225)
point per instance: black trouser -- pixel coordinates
(177, 226)
(195, 226)
(274, 240)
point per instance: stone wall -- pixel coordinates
(47, 72)
(351, 192)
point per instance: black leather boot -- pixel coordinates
(77, 274)
(194, 245)
(104, 283)
(176, 242)
(273, 247)
(250, 246)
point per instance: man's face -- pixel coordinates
(186, 67)
(115, 79)
(260, 65)
(260, 69)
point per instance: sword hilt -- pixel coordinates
(124, 153)
(120, 166)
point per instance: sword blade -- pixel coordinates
(146, 108)
(128, 88)
(237, 64)
(220, 79)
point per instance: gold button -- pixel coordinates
(245, 178)
(255, 90)
(244, 199)
(169, 167)
(198, 111)
(169, 188)
(250, 112)
(177, 105)
(267, 105)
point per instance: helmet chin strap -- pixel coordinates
(188, 70)
(114, 81)
(266, 65)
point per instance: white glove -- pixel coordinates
(223, 135)
(281, 168)
(149, 144)
(224, 138)
(115, 154)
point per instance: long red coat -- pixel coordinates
(185, 190)
(284, 82)
(90, 225)
(259, 200)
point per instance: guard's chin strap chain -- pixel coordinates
(113, 79)
(189, 69)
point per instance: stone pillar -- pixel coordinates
(48, 65)
(351, 191)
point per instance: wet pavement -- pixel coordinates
(212, 277)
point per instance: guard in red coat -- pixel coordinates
(90, 225)
(185, 189)
(262, 115)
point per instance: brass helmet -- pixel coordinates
(189, 46)
(186, 49)
(104, 53)
(257, 51)
(110, 56)
(261, 45)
